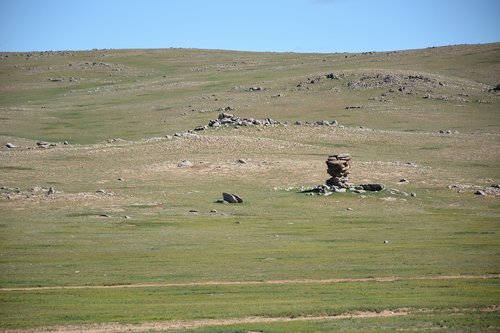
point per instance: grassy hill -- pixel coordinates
(115, 205)
(87, 97)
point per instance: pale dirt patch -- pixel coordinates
(184, 324)
(200, 323)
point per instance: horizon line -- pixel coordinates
(243, 51)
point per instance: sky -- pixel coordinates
(316, 26)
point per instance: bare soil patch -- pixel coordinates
(193, 324)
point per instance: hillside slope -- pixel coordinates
(91, 96)
(121, 227)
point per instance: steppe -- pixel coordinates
(109, 212)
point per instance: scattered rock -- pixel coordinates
(445, 132)
(495, 89)
(227, 119)
(372, 187)
(333, 76)
(256, 89)
(114, 140)
(493, 189)
(394, 191)
(231, 198)
(185, 164)
(200, 128)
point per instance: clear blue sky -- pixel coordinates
(254, 25)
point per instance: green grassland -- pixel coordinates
(157, 223)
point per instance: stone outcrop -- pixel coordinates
(338, 167)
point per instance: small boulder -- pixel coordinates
(10, 145)
(231, 198)
(225, 115)
(200, 128)
(185, 164)
(372, 187)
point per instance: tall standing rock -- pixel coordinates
(338, 167)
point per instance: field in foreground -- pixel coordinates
(112, 231)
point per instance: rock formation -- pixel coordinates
(338, 168)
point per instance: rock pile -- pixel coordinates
(225, 118)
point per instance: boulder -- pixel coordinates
(231, 197)
(255, 89)
(224, 115)
(185, 164)
(372, 187)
